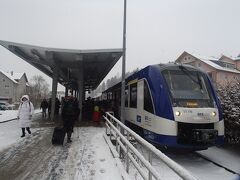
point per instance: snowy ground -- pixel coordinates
(88, 157)
(195, 164)
(228, 156)
(11, 114)
(34, 157)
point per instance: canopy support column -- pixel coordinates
(54, 91)
(75, 93)
(66, 90)
(80, 92)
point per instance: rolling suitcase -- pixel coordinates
(58, 136)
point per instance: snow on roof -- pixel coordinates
(237, 58)
(9, 76)
(204, 57)
(16, 75)
(208, 61)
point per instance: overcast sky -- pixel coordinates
(158, 31)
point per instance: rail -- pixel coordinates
(115, 127)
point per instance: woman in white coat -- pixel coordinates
(25, 113)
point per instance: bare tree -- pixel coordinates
(39, 89)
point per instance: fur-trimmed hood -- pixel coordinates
(25, 96)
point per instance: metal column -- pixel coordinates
(123, 62)
(80, 91)
(75, 93)
(54, 91)
(66, 90)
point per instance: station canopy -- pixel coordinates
(71, 64)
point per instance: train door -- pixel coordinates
(140, 96)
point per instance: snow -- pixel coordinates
(16, 75)
(227, 156)
(195, 164)
(8, 115)
(202, 168)
(11, 114)
(87, 157)
(8, 76)
(9, 134)
(208, 61)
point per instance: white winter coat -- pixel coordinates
(25, 112)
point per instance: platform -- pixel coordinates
(34, 157)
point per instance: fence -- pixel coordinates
(115, 129)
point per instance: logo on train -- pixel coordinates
(139, 119)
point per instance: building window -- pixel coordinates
(3, 80)
(6, 86)
(148, 104)
(133, 95)
(230, 66)
(199, 64)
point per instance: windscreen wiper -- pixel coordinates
(186, 71)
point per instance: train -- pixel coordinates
(171, 105)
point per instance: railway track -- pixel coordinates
(218, 164)
(199, 165)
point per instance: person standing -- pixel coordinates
(44, 106)
(49, 107)
(57, 106)
(25, 113)
(69, 115)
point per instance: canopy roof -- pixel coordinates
(95, 64)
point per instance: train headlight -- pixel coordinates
(214, 114)
(178, 113)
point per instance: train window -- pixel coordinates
(148, 104)
(126, 96)
(133, 95)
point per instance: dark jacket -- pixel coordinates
(44, 105)
(70, 108)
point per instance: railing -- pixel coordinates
(114, 128)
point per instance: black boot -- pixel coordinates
(28, 130)
(69, 134)
(23, 132)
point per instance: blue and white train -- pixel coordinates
(172, 105)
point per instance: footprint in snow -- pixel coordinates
(92, 172)
(102, 170)
(102, 160)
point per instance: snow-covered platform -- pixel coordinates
(227, 156)
(34, 157)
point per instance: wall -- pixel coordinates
(224, 78)
(227, 60)
(7, 87)
(188, 59)
(21, 88)
(238, 64)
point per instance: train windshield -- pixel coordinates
(188, 88)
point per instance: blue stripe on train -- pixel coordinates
(171, 141)
(158, 88)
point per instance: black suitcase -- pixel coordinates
(58, 136)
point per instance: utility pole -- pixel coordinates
(123, 62)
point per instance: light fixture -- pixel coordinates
(178, 113)
(214, 114)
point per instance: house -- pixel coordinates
(12, 86)
(222, 71)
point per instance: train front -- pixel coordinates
(195, 106)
